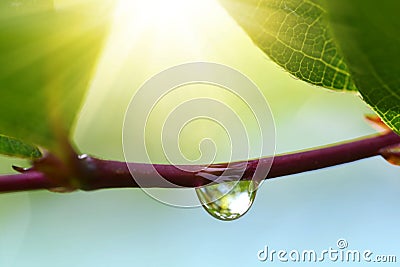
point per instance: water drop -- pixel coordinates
(227, 201)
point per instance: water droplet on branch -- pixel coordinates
(227, 201)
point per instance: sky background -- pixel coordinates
(125, 227)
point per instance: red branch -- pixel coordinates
(97, 174)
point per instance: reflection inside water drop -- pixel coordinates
(227, 201)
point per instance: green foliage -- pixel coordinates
(332, 44)
(48, 54)
(368, 33)
(47, 58)
(16, 148)
(294, 34)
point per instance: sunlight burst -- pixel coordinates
(162, 20)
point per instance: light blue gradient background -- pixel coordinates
(125, 227)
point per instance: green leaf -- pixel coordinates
(368, 33)
(294, 34)
(16, 148)
(47, 57)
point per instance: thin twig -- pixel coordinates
(98, 174)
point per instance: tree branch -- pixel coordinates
(97, 174)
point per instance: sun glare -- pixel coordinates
(161, 19)
(148, 36)
(162, 31)
(145, 13)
